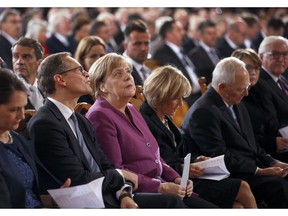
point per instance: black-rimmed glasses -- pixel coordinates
(77, 69)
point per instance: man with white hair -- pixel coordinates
(60, 27)
(219, 124)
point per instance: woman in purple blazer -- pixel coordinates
(124, 135)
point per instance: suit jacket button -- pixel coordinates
(148, 145)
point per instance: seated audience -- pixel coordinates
(219, 124)
(65, 143)
(19, 175)
(164, 91)
(273, 52)
(124, 135)
(265, 126)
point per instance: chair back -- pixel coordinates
(82, 107)
(138, 98)
(203, 84)
(22, 128)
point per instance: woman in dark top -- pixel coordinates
(265, 125)
(16, 162)
(164, 90)
(88, 51)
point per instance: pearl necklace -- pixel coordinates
(10, 139)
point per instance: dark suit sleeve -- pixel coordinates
(55, 151)
(4, 193)
(206, 130)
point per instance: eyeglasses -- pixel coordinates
(242, 92)
(251, 68)
(77, 69)
(277, 55)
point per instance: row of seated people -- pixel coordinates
(48, 130)
(105, 88)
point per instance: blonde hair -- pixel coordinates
(102, 68)
(164, 84)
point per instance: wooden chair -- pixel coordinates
(203, 84)
(180, 114)
(22, 128)
(138, 99)
(82, 107)
(151, 63)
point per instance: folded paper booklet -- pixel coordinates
(82, 196)
(215, 168)
(284, 133)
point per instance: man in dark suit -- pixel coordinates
(205, 56)
(274, 54)
(67, 149)
(137, 47)
(234, 37)
(171, 52)
(10, 30)
(27, 55)
(59, 40)
(219, 123)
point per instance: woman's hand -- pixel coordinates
(172, 188)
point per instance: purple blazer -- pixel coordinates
(130, 145)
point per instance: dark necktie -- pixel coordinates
(233, 115)
(144, 73)
(213, 56)
(92, 163)
(282, 86)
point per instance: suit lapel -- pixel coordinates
(70, 135)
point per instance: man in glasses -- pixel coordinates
(274, 54)
(219, 124)
(65, 143)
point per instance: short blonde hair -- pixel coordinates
(102, 68)
(164, 84)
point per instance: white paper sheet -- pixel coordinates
(185, 174)
(82, 196)
(215, 168)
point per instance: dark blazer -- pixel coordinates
(59, 150)
(55, 46)
(172, 154)
(275, 102)
(210, 123)
(4, 193)
(165, 55)
(5, 52)
(202, 62)
(224, 48)
(15, 185)
(264, 124)
(257, 41)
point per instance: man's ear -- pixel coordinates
(59, 80)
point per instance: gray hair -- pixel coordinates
(267, 41)
(224, 72)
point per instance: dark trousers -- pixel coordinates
(273, 190)
(157, 200)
